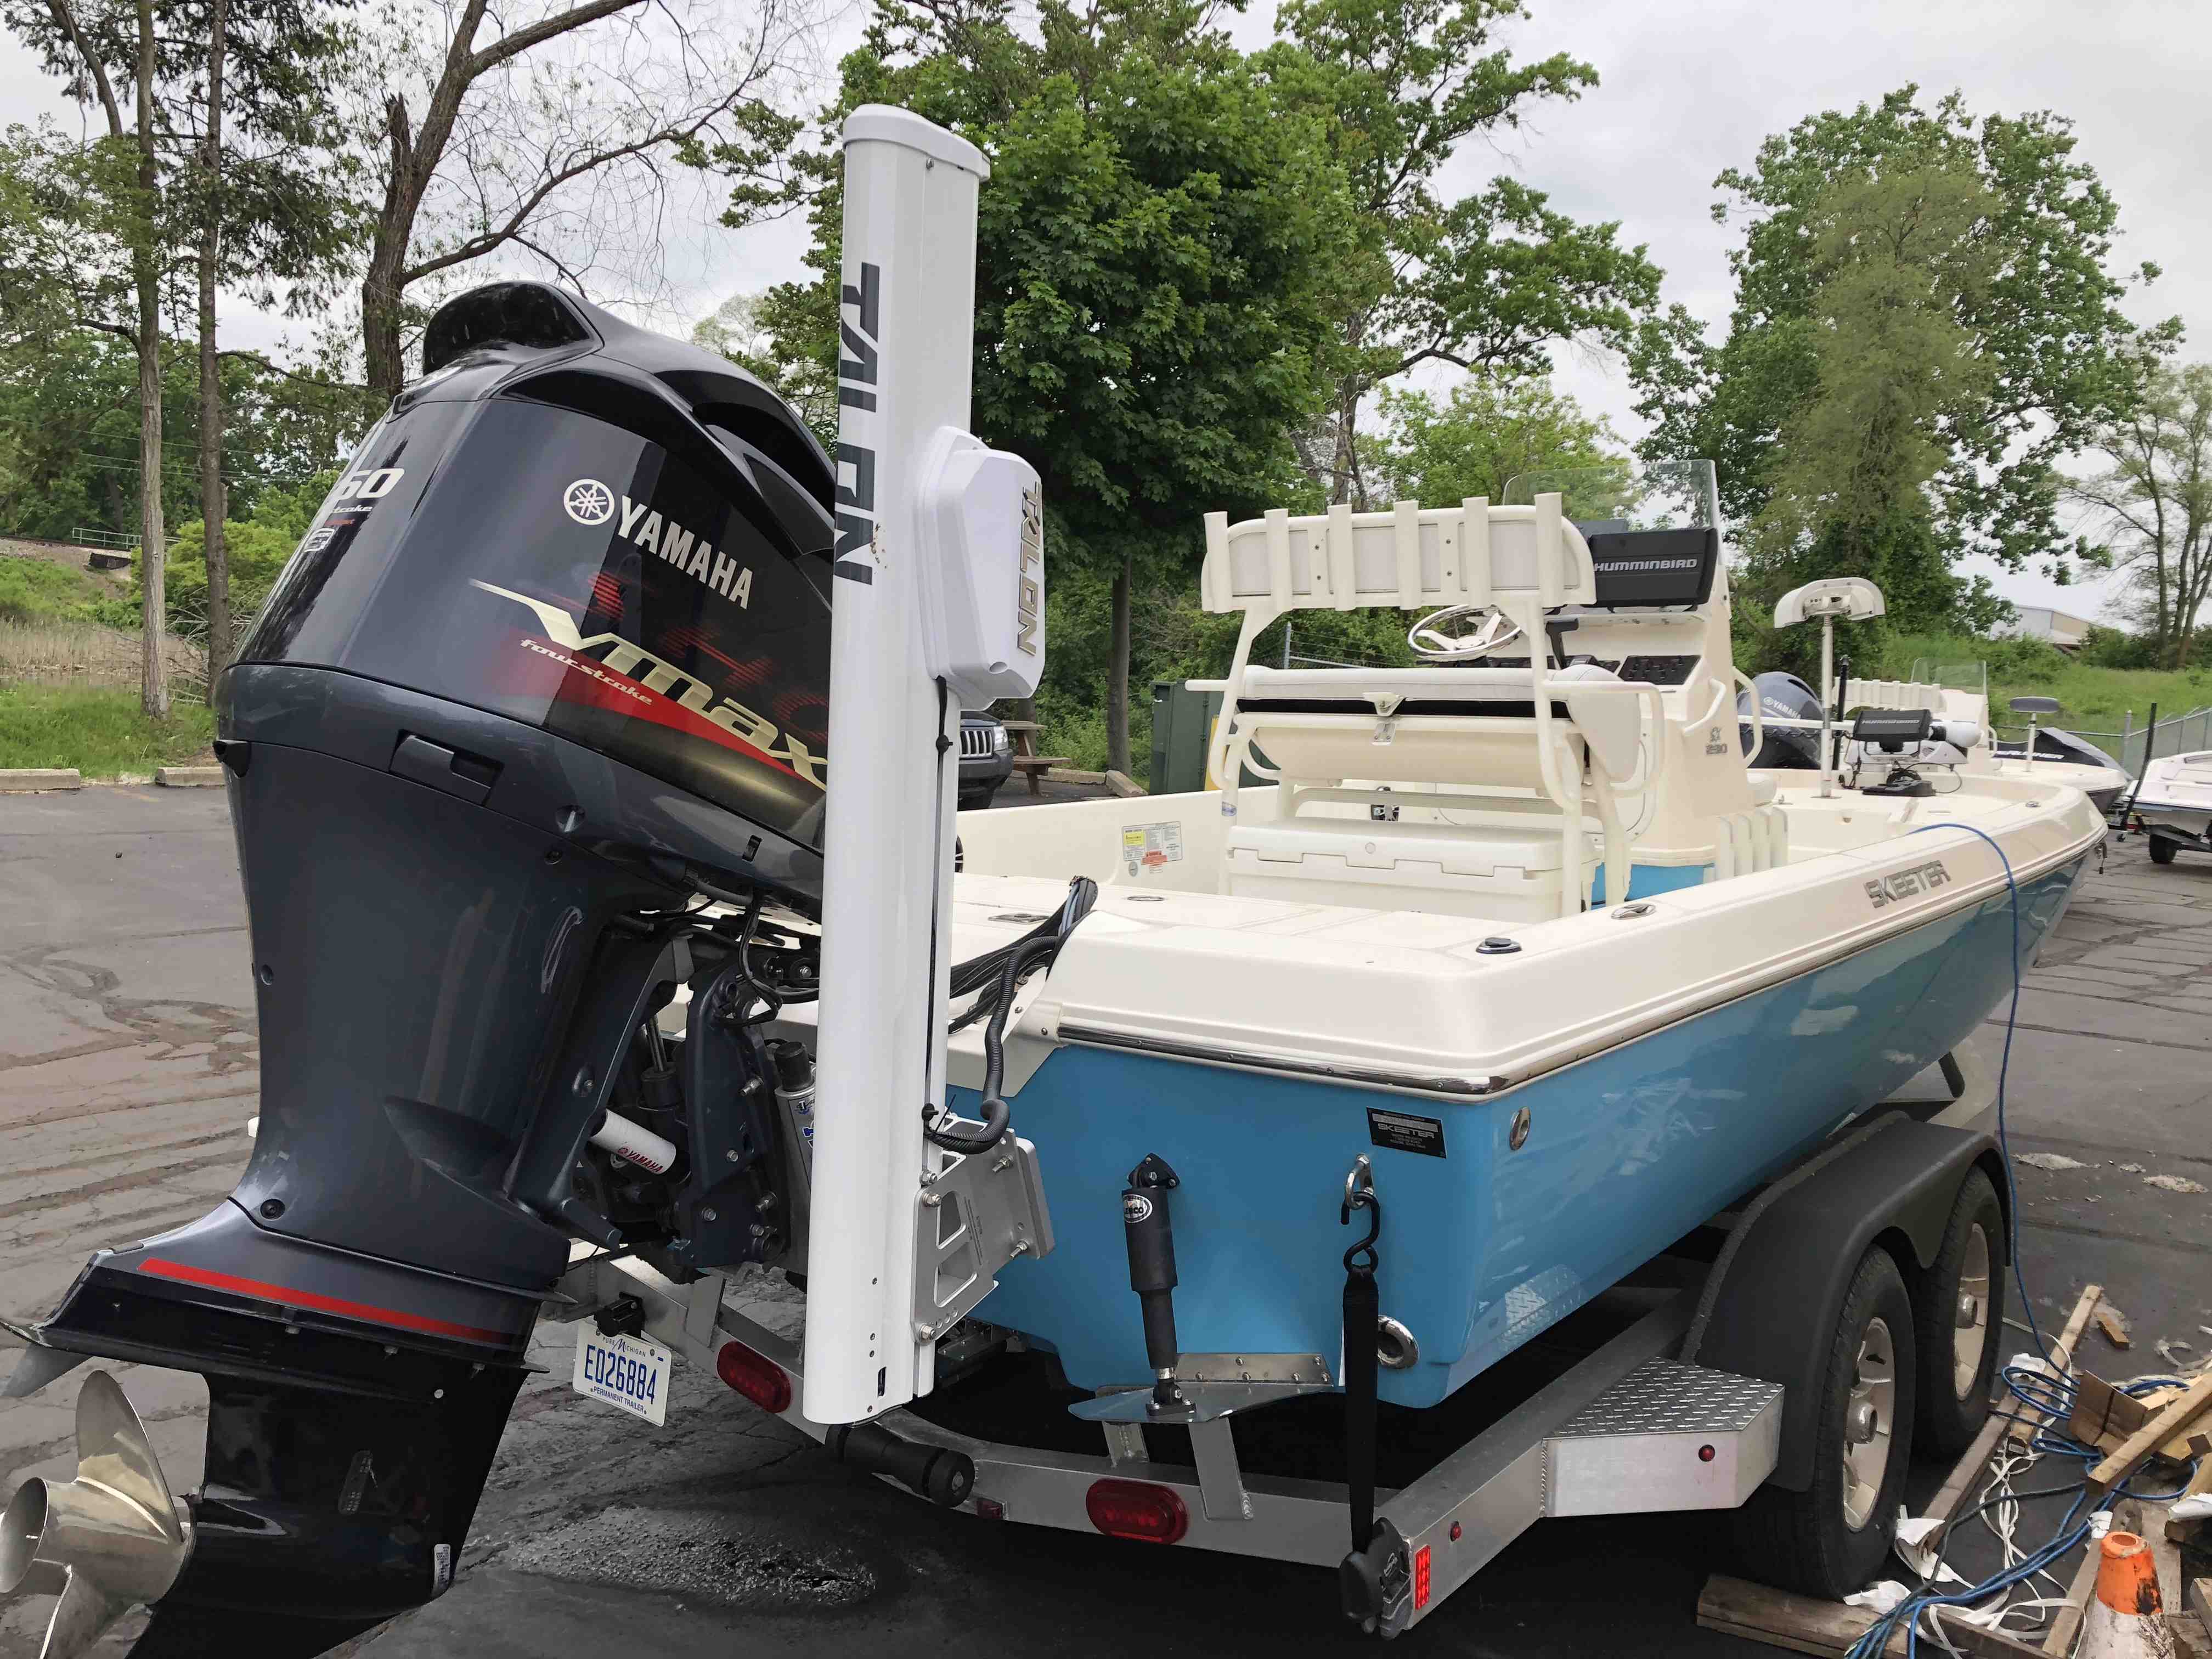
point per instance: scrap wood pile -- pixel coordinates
(2139, 1454)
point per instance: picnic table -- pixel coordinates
(1030, 764)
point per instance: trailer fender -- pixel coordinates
(1770, 1308)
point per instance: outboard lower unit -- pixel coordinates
(552, 664)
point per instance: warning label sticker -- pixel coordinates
(1148, 846)
(1402, 1132)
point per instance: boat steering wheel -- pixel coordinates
(1426, 639)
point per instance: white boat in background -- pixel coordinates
(1964, 710)
(2175, 804)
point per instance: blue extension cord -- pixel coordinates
(2051, 1395)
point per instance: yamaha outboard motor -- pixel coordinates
(1782, 696)
(552, 663)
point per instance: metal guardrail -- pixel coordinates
(80, 536)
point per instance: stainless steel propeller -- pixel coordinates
(109, 1540)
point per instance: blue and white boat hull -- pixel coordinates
(1484, 1244)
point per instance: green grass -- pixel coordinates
(40, 590)
(98, 730)
(2090, 699)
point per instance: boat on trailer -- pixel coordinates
(1401, 945)
(1492, 1082)
(2175, 804)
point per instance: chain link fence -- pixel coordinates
(2136, 747)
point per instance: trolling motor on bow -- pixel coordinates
(530, 767)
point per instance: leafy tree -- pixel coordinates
(1157, 249)
(258, 546)
(1489, 429)
(99, 208)
(1897, 257)
(261, 205)
(738, 329)
(68, 425)
(2115, 647)
(2039, 350)
(1485, 282)
(271, 199)
(69, 432)
(2155, 500)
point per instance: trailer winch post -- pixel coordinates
(906, 325)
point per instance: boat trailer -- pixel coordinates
(1629, 1427)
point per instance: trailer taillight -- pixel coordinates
(1138, 1510)
(759, 1380)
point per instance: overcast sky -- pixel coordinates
(1686, 90)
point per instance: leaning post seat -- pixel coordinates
(1543, 753)
(1483, 790)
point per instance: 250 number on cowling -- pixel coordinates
(628, 1371)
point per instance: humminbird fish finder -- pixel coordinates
(1892, 730)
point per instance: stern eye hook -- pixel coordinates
(1359, 1195)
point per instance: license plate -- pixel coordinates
(628, 1371)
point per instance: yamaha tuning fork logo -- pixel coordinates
(592, 503)
(589, 501)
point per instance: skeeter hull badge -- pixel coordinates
(1402, 1132)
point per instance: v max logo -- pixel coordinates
(1920, 878)
(619, 656)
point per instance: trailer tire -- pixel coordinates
(1829, 1540)
(1953, 1391)
(2161, 850)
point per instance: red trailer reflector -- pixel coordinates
(990, 1508)
(1138, 1510)
(1421, 1578)
(761, 1381)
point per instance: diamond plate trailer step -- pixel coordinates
(1665, 1437)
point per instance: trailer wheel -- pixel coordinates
(1956, 1332)
(1829, 1540)
(2161, 850)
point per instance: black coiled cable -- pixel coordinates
(982, 973)
(1011, 962)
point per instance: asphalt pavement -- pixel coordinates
(127, 1068)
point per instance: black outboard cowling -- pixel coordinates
(2052, 743)
(553, 661)
(1781, 697)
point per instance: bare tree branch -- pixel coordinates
(477, 246)
(66, 17)
(538, 34)
(278, 368)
